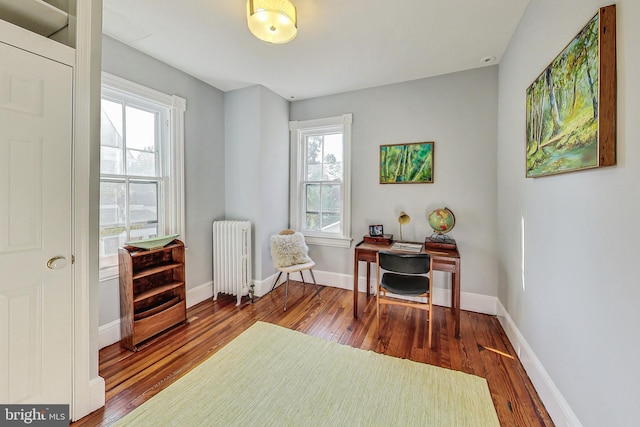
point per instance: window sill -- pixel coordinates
(108, 273)
(336, 242)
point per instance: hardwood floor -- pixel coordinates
(482, 349)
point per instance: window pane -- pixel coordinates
(313, 147)
(332, 157)
(141, 129)
(314, 172)
(331, 198)
(331, 222)
(111, 160)
(141, 163)
(312, 221)
(112, 203)
(113, 231)
(143, 205)
(331, 202)
(141, 142)
(111, 124)
(313, 197)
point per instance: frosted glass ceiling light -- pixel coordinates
(273, 21)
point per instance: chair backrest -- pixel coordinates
(289, 249)
(404, 263)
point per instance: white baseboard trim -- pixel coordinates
(199, 293)
(97, 392)
(109, 334)
(468, 301)
(554, 402)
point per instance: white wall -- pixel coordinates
(459, 113)
(204, 158)
(576, 304)
(257, 166)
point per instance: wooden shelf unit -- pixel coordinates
(152, 292)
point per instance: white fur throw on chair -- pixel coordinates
(289, 249)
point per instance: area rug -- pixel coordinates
(273, 376)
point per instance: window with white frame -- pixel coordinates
(141, 167)
(321, 180)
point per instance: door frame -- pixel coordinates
(87, 387)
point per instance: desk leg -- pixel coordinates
(455, 300)
(368, 279)
(355, 286)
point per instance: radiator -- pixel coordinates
(232, 258)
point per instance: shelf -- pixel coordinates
(152, 291)
(135, 252)
(157, 291)
(154, 270)
(34, 15)
(154, 310)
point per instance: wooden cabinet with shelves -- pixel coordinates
(152, 291)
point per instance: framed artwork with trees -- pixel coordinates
(571, 106)
(406, 163)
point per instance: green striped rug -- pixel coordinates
(273, 376)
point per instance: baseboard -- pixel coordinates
(468, 301)
(97, 392)
(199, 294)
(558, 408)
(109, 334)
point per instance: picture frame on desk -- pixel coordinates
(376, 230)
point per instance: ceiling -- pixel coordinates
(342, 45)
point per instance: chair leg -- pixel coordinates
(378, 311)
(303, 281)
(430, 319)
(314, 283)
(286, 293)
(276, 281)
(430, 301)
(384, 295)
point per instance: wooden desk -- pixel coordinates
(442, 260)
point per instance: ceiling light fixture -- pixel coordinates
(274, 21)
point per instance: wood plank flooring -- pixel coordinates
(482, 349)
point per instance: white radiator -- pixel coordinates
(232, 258)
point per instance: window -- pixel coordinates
(321, 180)
(141, 167)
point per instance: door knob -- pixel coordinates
(57, 262)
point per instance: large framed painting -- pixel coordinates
(406, 163)
(571, 106)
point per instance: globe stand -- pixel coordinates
(439, 241)
(439, 237)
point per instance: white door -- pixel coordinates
(35, 228)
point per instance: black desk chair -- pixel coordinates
(405, 274)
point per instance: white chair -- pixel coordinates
(290, 255)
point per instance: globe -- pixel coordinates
(442, 220)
